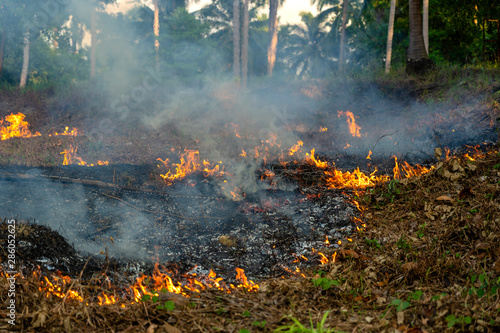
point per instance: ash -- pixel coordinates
(189, 223)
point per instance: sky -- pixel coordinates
(288, 13)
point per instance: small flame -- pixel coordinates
(353, 127)
(323, 129)
(248, 285)
(369, 155)
(407, 171)
(311, 159)
(70, 157)
(296, 147)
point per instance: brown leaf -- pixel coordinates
(382, 283)
(444, 198)
(171, 329)
(151, 329)
(409, 266)
(39, 320)
(349, 253)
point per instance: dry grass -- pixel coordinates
(430, 251)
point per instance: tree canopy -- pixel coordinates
(201, 43)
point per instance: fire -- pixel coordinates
(17, 127)
(369, 155)
(323, 129)
(70, 157)
(407, 170)
(56, 288)
(356, 179)
(312, 160)
(248, 285)
(189, 163)
(353, 127)
(296, 147)
(74, 132)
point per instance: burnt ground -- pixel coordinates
(427, 260)
(179, 223)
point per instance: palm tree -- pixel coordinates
(418, 61)
(390, 33)
(425, 26)
(306, 46)
(244, 46)
(345, 4)
(273, 36)
(236, 39)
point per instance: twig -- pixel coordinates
(383, 136)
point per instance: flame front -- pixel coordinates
(70, 157)
(189, 163)
(17, 127)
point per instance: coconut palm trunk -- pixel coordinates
(390, 33)
(236, 39)
(342, 36)
(2, 45)
(26, 59)
(93, 40)
(425, 26)
(156, 32)
(273, 33)
(417, 60)
(244, 46)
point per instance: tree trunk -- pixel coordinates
(2, 44)
(26, 59)
(390, 34)
(244, 46)
(273, 32)
(236, 39)
(417, 60)
(425, 26)
(156, 31)
(342, 35)
(93, 39)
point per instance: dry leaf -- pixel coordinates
(444, 198)
(438, 152)
(401, 317)
(228, 240)
(349, 253)
(409, 266)
(151, 329)
(171, 329)
(67, 324)
(455, 165)
(39, 320)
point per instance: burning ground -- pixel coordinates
(291, 194)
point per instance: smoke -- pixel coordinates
(65, 208)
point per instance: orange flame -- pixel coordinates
(353, 127)
(189, 163)
(18, 127)
(248, 285)
(70, 157)
(407, 171)
(311, 159)
(296, 147)
(356, 179)
(74, 132)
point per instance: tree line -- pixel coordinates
(51, 42)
